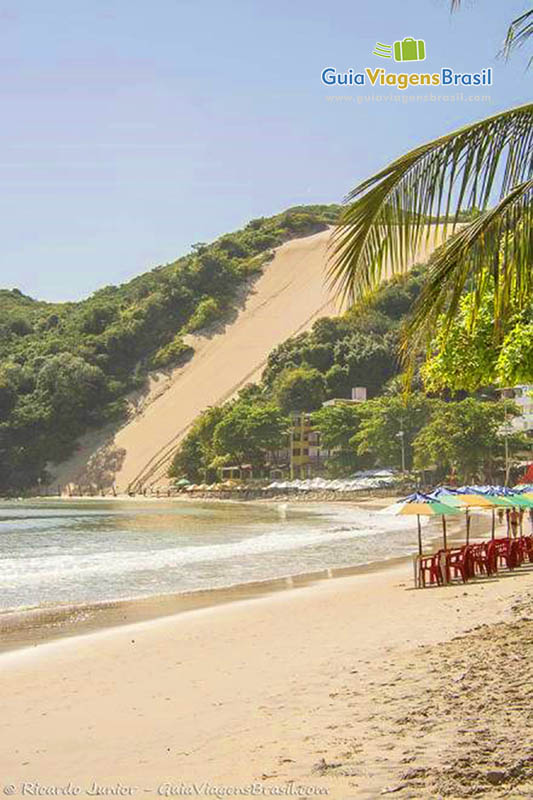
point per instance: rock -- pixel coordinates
(496, 776)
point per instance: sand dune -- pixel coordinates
(288, 297)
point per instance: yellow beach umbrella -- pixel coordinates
(422, 505)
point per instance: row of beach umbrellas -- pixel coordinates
(445, 501)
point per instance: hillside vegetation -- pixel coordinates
(356, 349)
(452, 437)
(67, 367)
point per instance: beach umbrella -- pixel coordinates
(521, 500)
(182, 482)
(483, 497)
(464, 497)
(449, 497)
(421, 505)
(523, 488)
(491, 497)
(512, 497)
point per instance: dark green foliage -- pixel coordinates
(357, 349)
(248, 431)
(239, 432)
(468, 438)
(196, 452)
(300, 389)
(338, 424)
(171, 354)
(65, 367)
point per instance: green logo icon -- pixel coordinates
(407, 49)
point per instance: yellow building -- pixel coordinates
(305, 447)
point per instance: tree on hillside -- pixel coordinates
(196, 451)
(69, 384)
(300, 389)
(8, 396)
(338, 425)
(467, 439)
(487, 162)
(248, 432)
(389, 425)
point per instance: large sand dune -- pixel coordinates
(287, 298)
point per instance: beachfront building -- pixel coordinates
(523, 397)
(236, 472)
(358, 396)
(305, 456)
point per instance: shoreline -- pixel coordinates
(28, 628)
(355, 497)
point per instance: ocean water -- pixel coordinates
(55, 553)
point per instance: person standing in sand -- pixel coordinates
(514, 518)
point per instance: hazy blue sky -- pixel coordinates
(132, 129)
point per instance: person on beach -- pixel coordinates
(500, 516)
(514, 518)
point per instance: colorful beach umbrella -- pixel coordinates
(523, 488)
(489, 497)
(465, 497)
(512, 498)
(422, 505)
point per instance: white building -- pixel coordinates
(523, 397)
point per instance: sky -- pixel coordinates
(131, 130)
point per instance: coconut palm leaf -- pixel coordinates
(520, 30)
(388, 215)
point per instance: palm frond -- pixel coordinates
(498, 245)
(386, 221)
(519, 31)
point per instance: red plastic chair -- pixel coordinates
(528, 547)
(479, 559)
(430, 565)
(457, 564)
(492, 558)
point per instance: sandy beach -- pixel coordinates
(358, 685)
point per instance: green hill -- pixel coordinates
(67, 367)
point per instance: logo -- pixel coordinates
(407, 49)
(404, 50)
